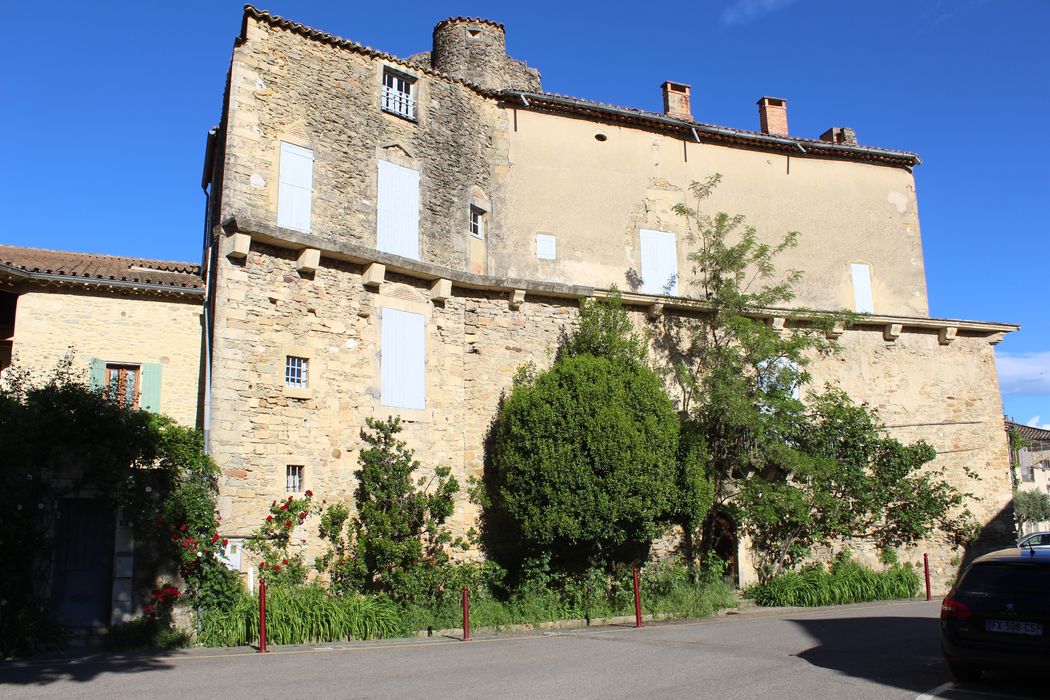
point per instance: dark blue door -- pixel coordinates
(84, 562)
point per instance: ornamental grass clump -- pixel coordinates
(845, 582)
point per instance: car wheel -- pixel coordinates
(965, 672)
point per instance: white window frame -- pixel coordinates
(397, 210)
(476, 224)
(294, 478)
(398, 94)
(653, 244)
(296, 372)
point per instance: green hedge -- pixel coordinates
(845, 582)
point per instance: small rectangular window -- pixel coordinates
(659, 263)
(546, 247)
(295, 187)
(122, 384)
(863, 301)
(295, 372)
(293, 478)
(398, 96)
(477, 222)
(1028, 473)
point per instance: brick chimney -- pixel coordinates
(676, 101)
(773, 115)
(840, 134)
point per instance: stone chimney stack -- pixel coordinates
(840, 134)
(676, 101)
(773, 115)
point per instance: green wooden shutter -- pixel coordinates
(149, 389)
(98, 373)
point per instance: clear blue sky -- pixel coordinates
(106, 106)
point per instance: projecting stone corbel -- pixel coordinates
(836, 330)
(309, 260)
(892, 331)
(441, 290)
(945, 336)
(655, 311)
(517, 297)
(240, 244)
(778, 324)
(996, 338)
(374, 275)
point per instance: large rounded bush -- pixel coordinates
(585, 460)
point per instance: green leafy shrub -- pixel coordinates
(145, 633)
(845, 581)
(584, 463)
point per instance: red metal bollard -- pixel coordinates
(637, 602)
(926, 567)
(466, 614)
(262, 617)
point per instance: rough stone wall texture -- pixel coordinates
(475, 342)
(477, 51)
(286, 88)
(125, 329)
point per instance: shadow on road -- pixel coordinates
(42, 671)
(911, 658)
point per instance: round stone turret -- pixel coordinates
(471, 48)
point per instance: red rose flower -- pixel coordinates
(225, 542)
(214, 538)
(287, 523)
(285, 562)
(291, 498)
(309, 493)
(276, 569)
(182, 528)
(269, 518)
(284, 507)
(262, 565)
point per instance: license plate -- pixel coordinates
(1034, 629)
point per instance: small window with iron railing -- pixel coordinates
(399, 94)
(295, 372)
(293, 478)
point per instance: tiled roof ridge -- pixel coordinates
(339, 42)
(153, 264)
(684, 122)
(473, 20)
(1029, 432)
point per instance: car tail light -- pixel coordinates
(950, 607)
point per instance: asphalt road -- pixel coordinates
(870, 651)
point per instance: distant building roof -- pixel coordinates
(63, 266)
(1029, 433)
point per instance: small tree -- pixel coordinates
(848, 480)
(396, 541)
(1031, 507)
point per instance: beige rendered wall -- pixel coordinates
(596, 195)
(124, 329)
(474, 343)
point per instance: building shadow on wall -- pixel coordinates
(72, 668)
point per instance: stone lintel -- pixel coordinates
(309, 260)
(945, 336)
(441, 290)
(655, 311)
(374, 275)
(517, 297)
(892, 331)
(240, 244)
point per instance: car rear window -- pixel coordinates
(995, 579)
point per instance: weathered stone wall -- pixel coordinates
(287, 88)
(946, 395)
(119, 329)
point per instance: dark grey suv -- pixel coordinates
(997, 615)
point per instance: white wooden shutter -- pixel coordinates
(659, 262)
(397, 215)
(295, 187)
(546, 246)
(402, 359)
(862, 297)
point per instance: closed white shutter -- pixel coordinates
(397, 214)
(402, 360)
(295, 187)
(546, 247)
(862, 297)
(659, 263)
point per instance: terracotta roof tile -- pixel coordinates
(1030, 433)
(96, 267)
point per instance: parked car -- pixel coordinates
(1036, 539)
(997, 615)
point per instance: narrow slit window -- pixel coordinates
(863, 300)
(477, 222)
(295, 372)
(293, 478)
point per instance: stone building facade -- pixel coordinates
(1031, 465)
(397, 235)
